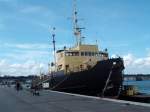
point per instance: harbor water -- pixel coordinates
(142, 86)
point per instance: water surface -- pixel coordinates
(142, 86)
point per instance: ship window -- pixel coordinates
(93, 54)
(59, 67)
(75, 53)
(82, 53)
(96, 54)
(89, 53)
(72, 54)
(66, 54)
(86, 54)
(100, 54)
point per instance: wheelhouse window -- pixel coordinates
(82, 53)
(72, 54)
(75, 53)
(89, 53)
(86, 53)
(97, 54)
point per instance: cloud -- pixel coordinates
(21, 53)
(136, 65)
(148, 50)
(25, 59)
(20, 56)
(29, 67)
(3, 62)
(128, 59)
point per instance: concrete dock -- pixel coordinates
(50, 101)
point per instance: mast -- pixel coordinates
(76, 28)
(54, 48)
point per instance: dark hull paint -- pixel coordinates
(92, 81)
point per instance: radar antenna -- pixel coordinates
(77, 29)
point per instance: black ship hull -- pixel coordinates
(105, 78)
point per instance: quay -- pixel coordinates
(52, 101)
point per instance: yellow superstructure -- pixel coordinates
(79, 58)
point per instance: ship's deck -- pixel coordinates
(50, 101)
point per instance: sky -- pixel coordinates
(121, 26)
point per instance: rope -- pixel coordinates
(107, 81)
(60, 82)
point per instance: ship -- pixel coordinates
(84, 69)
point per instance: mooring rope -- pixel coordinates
(107, 81)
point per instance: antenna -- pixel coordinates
(49, 68)
(96, 42)
(54, 48)
(77, 29)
